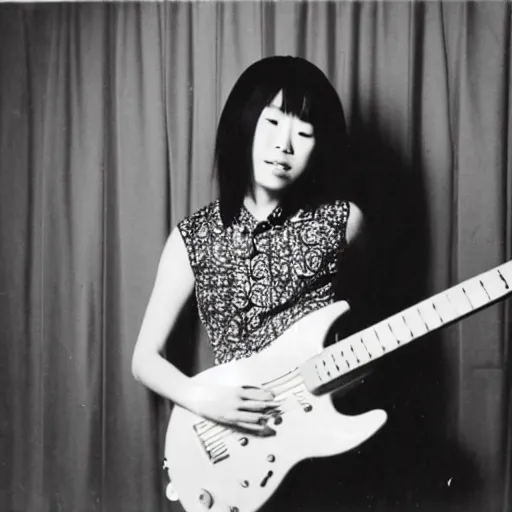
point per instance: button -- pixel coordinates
(206, 499)
(271, 457)
(260, 227)
(278, 420)
(276, 214)
(244, 483)
(244, 441)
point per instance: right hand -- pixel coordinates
(244, 408)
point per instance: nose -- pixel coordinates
(283, 140)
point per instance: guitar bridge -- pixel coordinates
(211, 437)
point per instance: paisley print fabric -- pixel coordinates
(254, 279)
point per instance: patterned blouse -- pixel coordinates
(255, 279)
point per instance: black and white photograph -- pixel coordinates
(256, 256)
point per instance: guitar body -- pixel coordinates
(215, 468)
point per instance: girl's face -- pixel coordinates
(281, 148)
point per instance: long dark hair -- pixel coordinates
(308, 94)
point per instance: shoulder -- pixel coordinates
(174, 259)
(336, 211)
(347, 216)
(196, 229)
(200, 218)
(355, 223)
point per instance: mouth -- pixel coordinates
(283, 166)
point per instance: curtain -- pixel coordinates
(107, 122)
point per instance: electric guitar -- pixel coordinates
(213, 467)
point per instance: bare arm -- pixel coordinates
(237, 406)
(173, 285)
(355, 233)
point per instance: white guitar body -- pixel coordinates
(214, 468)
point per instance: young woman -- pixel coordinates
(266, 253)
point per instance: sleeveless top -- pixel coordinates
(254, 279)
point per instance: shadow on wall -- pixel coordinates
(413, 463)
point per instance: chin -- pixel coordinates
(270, 182)
(274, 186)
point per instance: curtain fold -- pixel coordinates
(107, 121)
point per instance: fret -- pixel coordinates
(484, 289)
(321, 372)
(444, 307)
(415, 322)
(386, 336)
(505, 272)
(372, 343)
(401, 331)
(347, 354)
(343, 364)
(429, 314)
(368, 350)
(494, 285)
(334, 360)
(326, 367)
(476, 294)
(459, 300)
(358, 349)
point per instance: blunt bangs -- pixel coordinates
(296, 102)
(306, 94)
(300, 90)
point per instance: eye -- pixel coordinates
(306, 135)
(272, 121)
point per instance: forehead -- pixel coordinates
(292, 106)
(277, 101)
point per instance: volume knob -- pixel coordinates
(206, 499)
(170, 492)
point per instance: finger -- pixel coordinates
(249, 425)
(253, 418)
(258, 430)
(254, 393)
(257, 406)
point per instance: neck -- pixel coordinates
(261, 203)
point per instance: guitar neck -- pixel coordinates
(323, 371)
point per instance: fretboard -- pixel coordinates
(325, 369)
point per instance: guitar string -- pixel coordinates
(225, 431)
(288, 386)
(280, 410)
